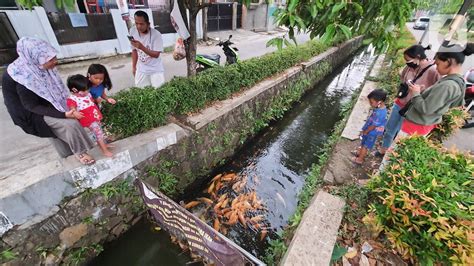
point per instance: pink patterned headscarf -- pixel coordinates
(28, 71)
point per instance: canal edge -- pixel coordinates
(314, 238)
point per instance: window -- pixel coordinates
(8, 4)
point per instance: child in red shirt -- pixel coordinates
(81, 100)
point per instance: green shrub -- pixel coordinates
(138, 110)
(424, 203)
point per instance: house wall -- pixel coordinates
(35, 23)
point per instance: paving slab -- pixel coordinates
(316, 235)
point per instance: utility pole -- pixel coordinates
(457, 21)
(204, 24)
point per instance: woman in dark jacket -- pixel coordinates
(35, 98)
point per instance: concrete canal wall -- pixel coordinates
(59, 212)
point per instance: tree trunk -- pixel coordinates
(191, 47)
(190, 43)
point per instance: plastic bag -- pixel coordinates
(179, 52)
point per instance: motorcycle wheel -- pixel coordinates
(200, 69)
(231, 60)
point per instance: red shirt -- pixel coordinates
(85, 105)
(412, 128)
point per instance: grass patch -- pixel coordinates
(7, 255)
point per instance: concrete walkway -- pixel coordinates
(20, 151)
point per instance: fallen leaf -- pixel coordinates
(364, 261)
(372, 262)
(351, 253)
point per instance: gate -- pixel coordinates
(95, 27)
(219, 16)
(7, 41)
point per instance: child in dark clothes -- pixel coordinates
(374, 126)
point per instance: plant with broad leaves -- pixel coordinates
(339, 20)
(424, 205)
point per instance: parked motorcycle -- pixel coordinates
(469, 95)
(213, 60)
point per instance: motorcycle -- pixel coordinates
(213, 60)
(469, 95)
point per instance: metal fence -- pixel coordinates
(219, 16)
(95, 27)
(8, 40)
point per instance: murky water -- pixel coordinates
(275, 162)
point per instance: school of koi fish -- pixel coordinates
(231, 203)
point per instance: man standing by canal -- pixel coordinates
(147, 43)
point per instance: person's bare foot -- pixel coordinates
(107, 153)
(110, 146)
(104, 148)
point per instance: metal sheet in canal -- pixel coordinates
(275, 162)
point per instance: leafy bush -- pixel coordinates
(453, 120)
(138, 110)
(424, 203)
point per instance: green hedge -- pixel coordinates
(139, 110)
(424, 203)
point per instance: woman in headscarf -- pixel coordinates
(35, 97)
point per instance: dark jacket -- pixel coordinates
(27, 109)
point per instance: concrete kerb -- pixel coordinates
(315, 237)
(37, 198)
(362, 107)
(321, 219)
(212, 113)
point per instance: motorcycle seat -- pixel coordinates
(214, 57)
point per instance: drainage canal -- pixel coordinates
(270, 171)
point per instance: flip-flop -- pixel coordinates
(83, 160)
(355, 153)
(379, 154)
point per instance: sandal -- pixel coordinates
(379, 154)
(85, 159)
(355, 153)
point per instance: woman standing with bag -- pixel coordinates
(426, 108)
(420, 71)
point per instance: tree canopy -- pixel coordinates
(340, 19)
(332, 19)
